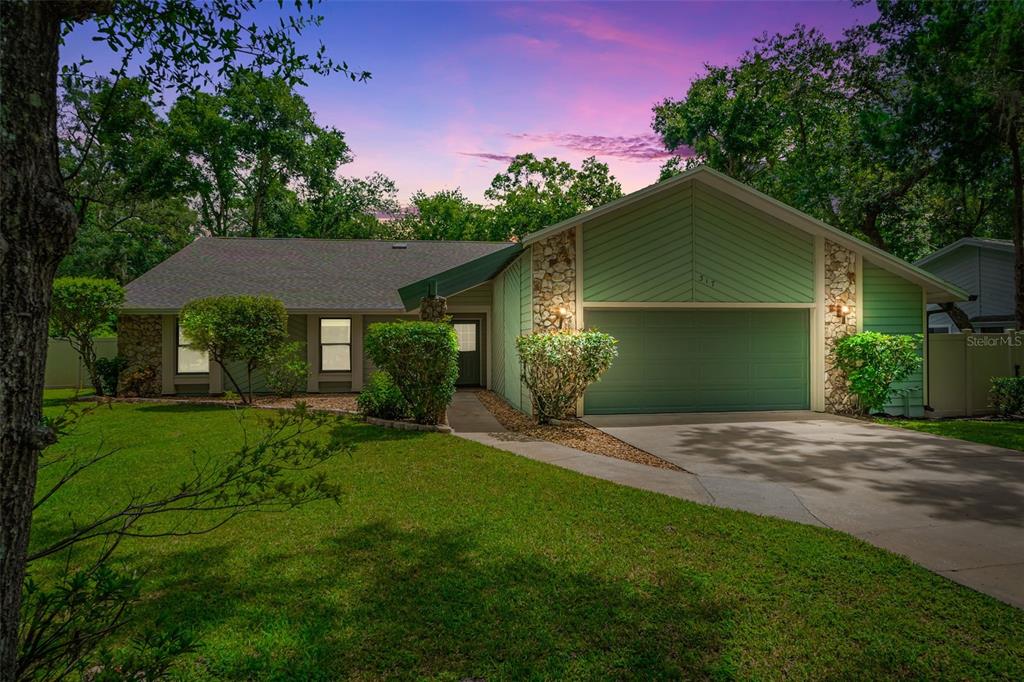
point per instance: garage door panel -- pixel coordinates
(706, 360)
(794, 399)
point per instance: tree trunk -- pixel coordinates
(1013, 140)
(37, 225)
(248, 376)
(238, 389)
(869, 226)
(958, 316)
(87, 353)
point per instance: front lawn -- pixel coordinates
(450, 560)
(1005, 434)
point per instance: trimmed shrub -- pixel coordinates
(287, 372)
(109, 371)
(423, 361)
(81, 308)
(381, 398)
(873, 362)
(1006, 395)
(247, 329)
(557, 368)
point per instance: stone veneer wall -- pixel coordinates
(554, 280)
(139, 341)
(840, 289)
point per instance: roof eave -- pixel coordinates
(965, 242)
(459, 278)
(937, 290)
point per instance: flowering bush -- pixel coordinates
(557, 368)
(873, 362)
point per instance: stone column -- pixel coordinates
(840, 290)
(433, 308)
(139, 341)
(554, 282)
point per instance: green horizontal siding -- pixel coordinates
(695, 243)
(893, 305)
(703, 361)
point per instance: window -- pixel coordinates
(335, 344)
(938, 330)
(466, 332)
(190, 361)
(992, 330)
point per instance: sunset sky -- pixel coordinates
(457, 88)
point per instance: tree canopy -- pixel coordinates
(533, 193)
(897, 133)
(166, 46)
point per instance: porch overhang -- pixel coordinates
(460, 278)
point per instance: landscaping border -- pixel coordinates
(407, 426)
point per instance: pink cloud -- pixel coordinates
(643, 147)
(590, 24)
(504, 158)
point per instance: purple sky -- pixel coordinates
(457, 88)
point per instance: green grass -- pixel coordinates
(1005, 434)
(450, 560)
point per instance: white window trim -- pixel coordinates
(321, 344)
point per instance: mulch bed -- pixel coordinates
(326, 402)
(576, 434)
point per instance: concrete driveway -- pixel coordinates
(954, 507)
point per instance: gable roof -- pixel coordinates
(937, 289)
(459, 278)
(305, 274)
(978, 242)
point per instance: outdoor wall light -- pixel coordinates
(563, 315)
(840, 309)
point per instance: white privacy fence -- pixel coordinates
(961, 367)
(63, 367)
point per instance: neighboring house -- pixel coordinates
(721, 298)
(982, 268)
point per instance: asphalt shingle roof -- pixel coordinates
(306, 274)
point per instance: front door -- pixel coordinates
(468, 332)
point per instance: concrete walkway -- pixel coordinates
(953, 507)
(471, 420)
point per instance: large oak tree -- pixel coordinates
(172, 44)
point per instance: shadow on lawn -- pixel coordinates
(383, 601)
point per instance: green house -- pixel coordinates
(722, 299)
